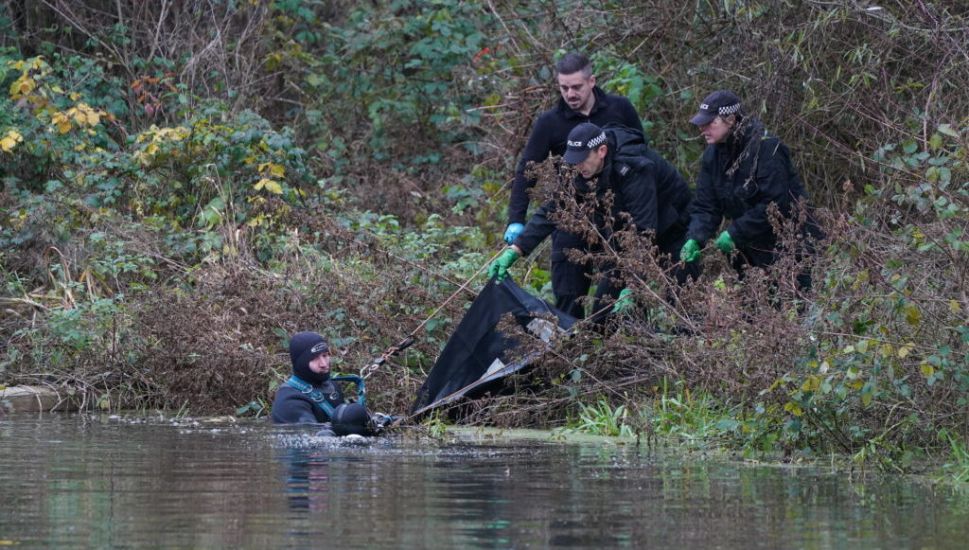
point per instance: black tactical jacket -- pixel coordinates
(645, 186)
(738, 180)
(550, 133)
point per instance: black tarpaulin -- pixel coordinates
(477, 353)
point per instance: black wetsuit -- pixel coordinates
(291, 406)
(548, 137)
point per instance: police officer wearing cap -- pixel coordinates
(309, 395)
(647, 189)
(743, 171)
(581, 101)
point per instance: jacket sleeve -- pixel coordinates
(637, 191)
(706, 213)
(773, 185)
(536, 150)
(538, 228)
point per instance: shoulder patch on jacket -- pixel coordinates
(623, 169)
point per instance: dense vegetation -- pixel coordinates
(185, 183)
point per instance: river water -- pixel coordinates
(100, 481)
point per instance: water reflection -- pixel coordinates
(89, 481)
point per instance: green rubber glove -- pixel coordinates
(624, 303)
(725, 243)
(690, 251)
(499, 268)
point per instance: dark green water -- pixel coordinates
(89, 481)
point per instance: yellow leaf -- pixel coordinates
(927, 370)
(954, 306)
(793, 408)
(812, 383)
(886, 350)
(9, 141)
(22, 86)
(912, 315)
(274, 170)
(62, 121)
(89, 116)
(269, 185)
(918, 236)
(905, 350)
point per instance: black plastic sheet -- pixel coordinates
(477, 353)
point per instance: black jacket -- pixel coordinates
(550, 133)
(645, 186)
(738, 180)
(292, 406)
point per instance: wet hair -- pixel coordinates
(573, 63)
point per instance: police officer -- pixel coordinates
(581, 101)
(647, 190)
(743, 171)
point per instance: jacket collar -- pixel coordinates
(602, 101)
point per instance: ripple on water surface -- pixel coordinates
(152, 481)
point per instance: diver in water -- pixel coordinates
(310, 396)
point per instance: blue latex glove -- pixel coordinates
(499, 268)
(690, 251)
(624, 303)
(725, 243)
(513, 231)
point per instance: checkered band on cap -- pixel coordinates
(596, 141)
(729, 109)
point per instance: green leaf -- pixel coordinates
(948, 130)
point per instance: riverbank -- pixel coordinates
(169, 219)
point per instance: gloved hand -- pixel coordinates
(624, 303)
(690, 251)
(499, 268)
(381, 420)
(725, 243)
(513, 231)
